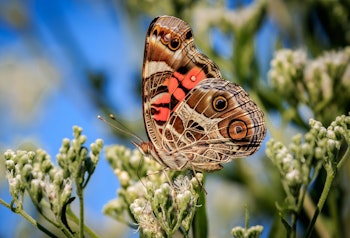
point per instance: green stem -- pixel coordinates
(200, 220)
(75, 219)
(58, 225)
(293, 232)
(30, 219)
(80, 194)
(334, 215)
(309, 208)
(344, 158)
(246, 217)
(322, 200)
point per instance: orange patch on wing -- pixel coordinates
(163, 99)
(162, 114)
(179, 94)
(173, 85)
(193, 77)
(188, 81)
(179, 76)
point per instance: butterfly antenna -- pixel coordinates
(119, 126)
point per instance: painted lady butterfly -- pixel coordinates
(194, 118)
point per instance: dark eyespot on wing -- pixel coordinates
(189, 35)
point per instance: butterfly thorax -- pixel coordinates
(161, 156)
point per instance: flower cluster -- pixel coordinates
(251, 232)
(36, 174)
(147, 195)
(48, 186)
(286, 71)
(300, 164)
(74, 158)
(239, 19)
(322, 84)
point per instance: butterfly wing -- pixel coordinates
(215, 123)
(172, 67)
(194, 119)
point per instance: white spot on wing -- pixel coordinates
(152, 67)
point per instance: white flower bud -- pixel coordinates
(124, 178)
(331, 134)
(293, 177)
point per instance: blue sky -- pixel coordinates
(102, 43)
(74, 38)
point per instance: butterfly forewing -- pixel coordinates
(172, 67)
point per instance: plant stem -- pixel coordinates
(344, 158)
(334, 215)
(80, 194)
(75, 219)
(200, 220)
(30, 219)
(293, 232)
(309, 208)
(322, 200)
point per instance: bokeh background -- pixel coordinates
(62, 63)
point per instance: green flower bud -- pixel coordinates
(67, 191)
(331, 134)
(161, 194)
(82, 139)
(331, 144)
(10, 165)
(297, 139)
(65, 145)
(293, 178)
(124, 178)
(135, 191)
(96, 147)
(238, 232)
(50, 190)
(309, 137)
(14, 186)
(183, 200)
(315, 124)
(46, 166)
(287, 162)
(77, 131)
(319, 152)
(306, 149)
(26, 172)
(254, 231)
(58, 178)
(23, 159)
(116, 208)
(36, 191)
(339, 131)
(142, 211)
(9, 155)
(135, 159)
(322, 132)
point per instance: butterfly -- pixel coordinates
(193, 117)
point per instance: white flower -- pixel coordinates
(293, 177)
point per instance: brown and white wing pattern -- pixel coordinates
(194, 118)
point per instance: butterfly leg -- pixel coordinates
(199, 182)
